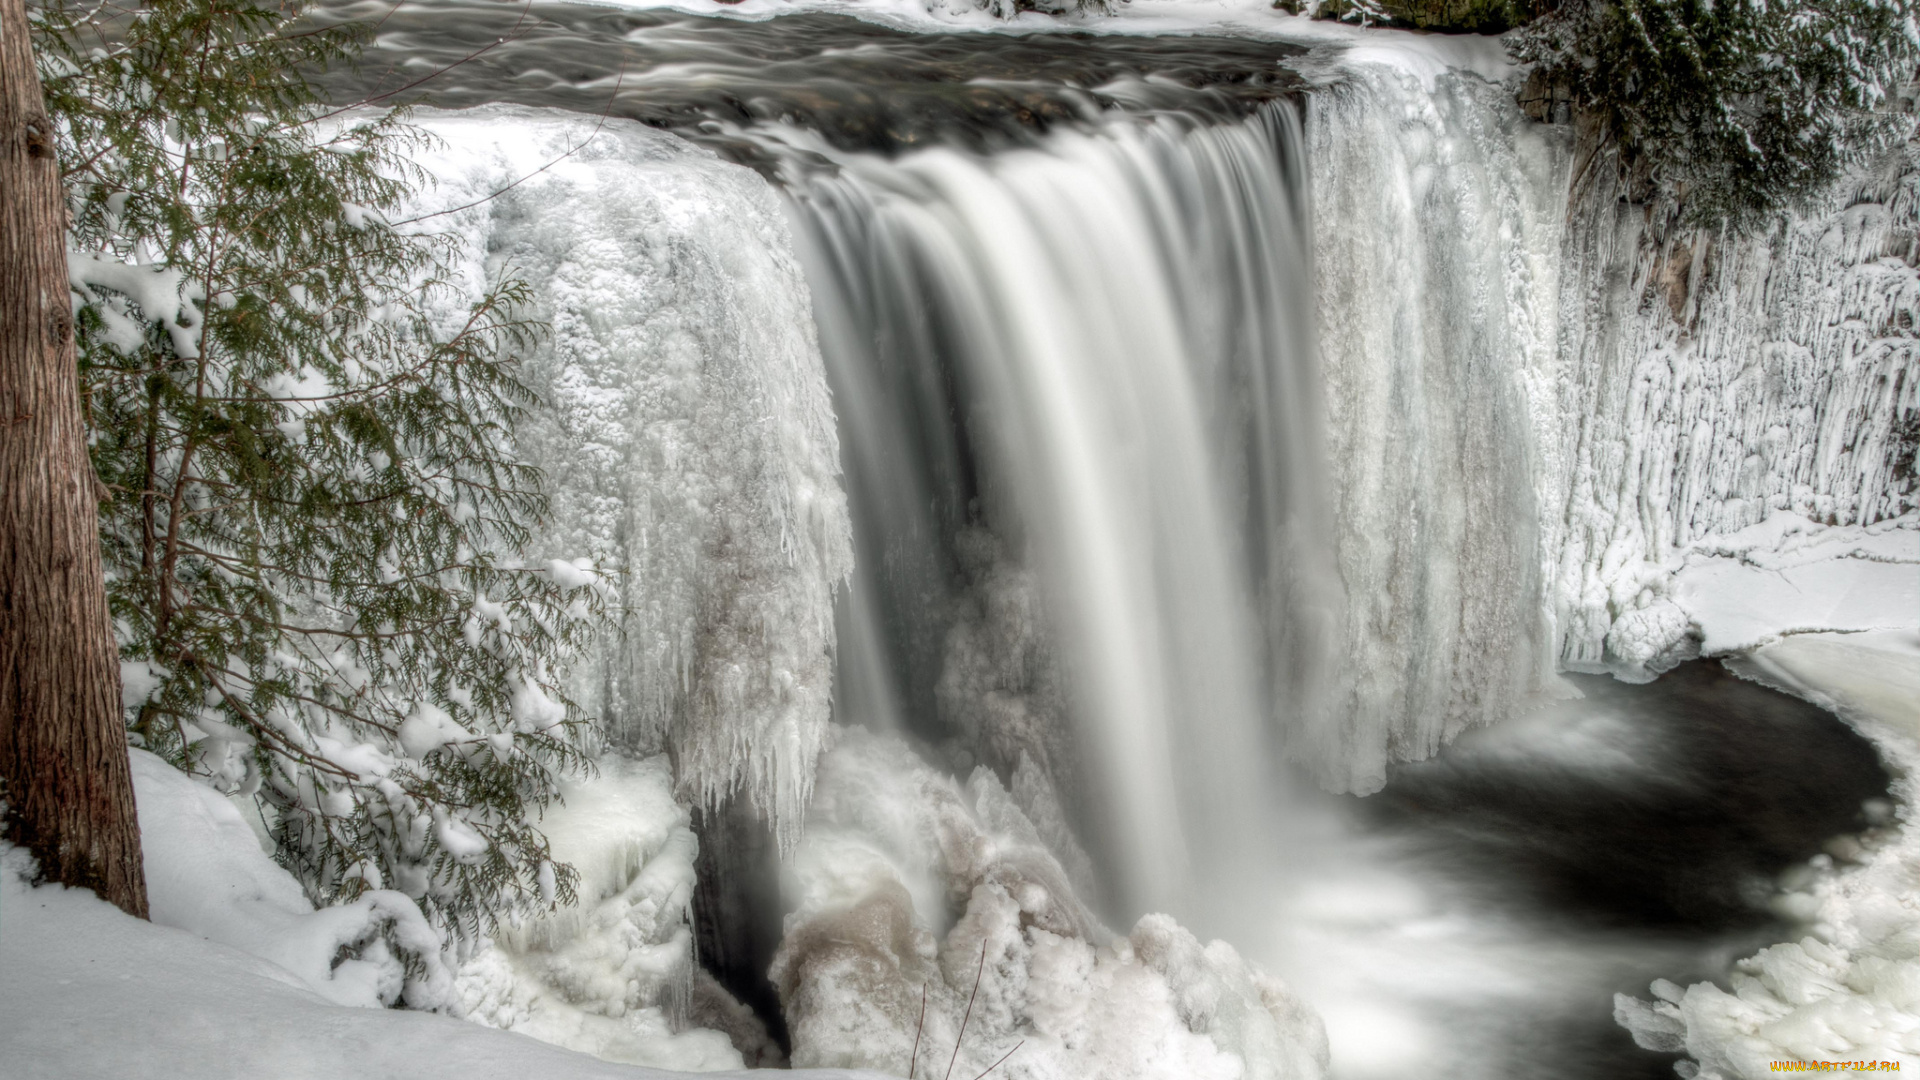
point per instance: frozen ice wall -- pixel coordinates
(610, 975)
(688, 440)
(1575, 434)
(1714, 383)
(1438, 219)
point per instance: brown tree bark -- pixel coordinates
(63, 746)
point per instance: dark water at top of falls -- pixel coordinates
(860, 86)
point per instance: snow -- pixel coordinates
(238, 976)
(610, 976)
(206, 874)
(1715, 397)
(686, 435)
(1787, 575)
(88, 991)
(1849, 989)
(163, 295)
(912, 891)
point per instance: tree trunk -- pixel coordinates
(63, 746)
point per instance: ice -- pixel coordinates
(686, 434)
(207, 875)
(1723, 398)
(612, 975)
(1849, 990)
(1764, 582)
(910, 882)
(1438, 221)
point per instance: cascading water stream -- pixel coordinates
(1105, 343)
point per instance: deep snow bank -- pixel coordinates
(88, 991)
(208, 875)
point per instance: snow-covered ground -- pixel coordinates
(237, 987)
(1849, 990)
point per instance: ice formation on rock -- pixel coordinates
(686, 436)
(1438, 219)
(612, 975)
(909, 882)
(1713, 383)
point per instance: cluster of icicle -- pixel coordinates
(687, 437)
(1709, 382)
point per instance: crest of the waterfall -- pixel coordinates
(1098, 349)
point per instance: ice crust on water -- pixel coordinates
(1849, 989)
(687, 437)
(908, 880)
(611, 975)
(206, 874)
(1437, 228)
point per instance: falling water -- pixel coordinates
(1099, 351)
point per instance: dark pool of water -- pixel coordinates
(1660, 817)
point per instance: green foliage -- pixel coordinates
(315, 509)
(1738, 109)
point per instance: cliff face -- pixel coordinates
(1714, 385)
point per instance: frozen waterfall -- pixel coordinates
(687, 436)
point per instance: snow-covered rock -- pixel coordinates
(610, 975)
(207, 875)
(932, 920)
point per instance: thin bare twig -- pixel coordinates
(914, 1062)
(957, 1039)
(1003, 1059)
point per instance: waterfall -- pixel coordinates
(1097, 350)
(1189, 438)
